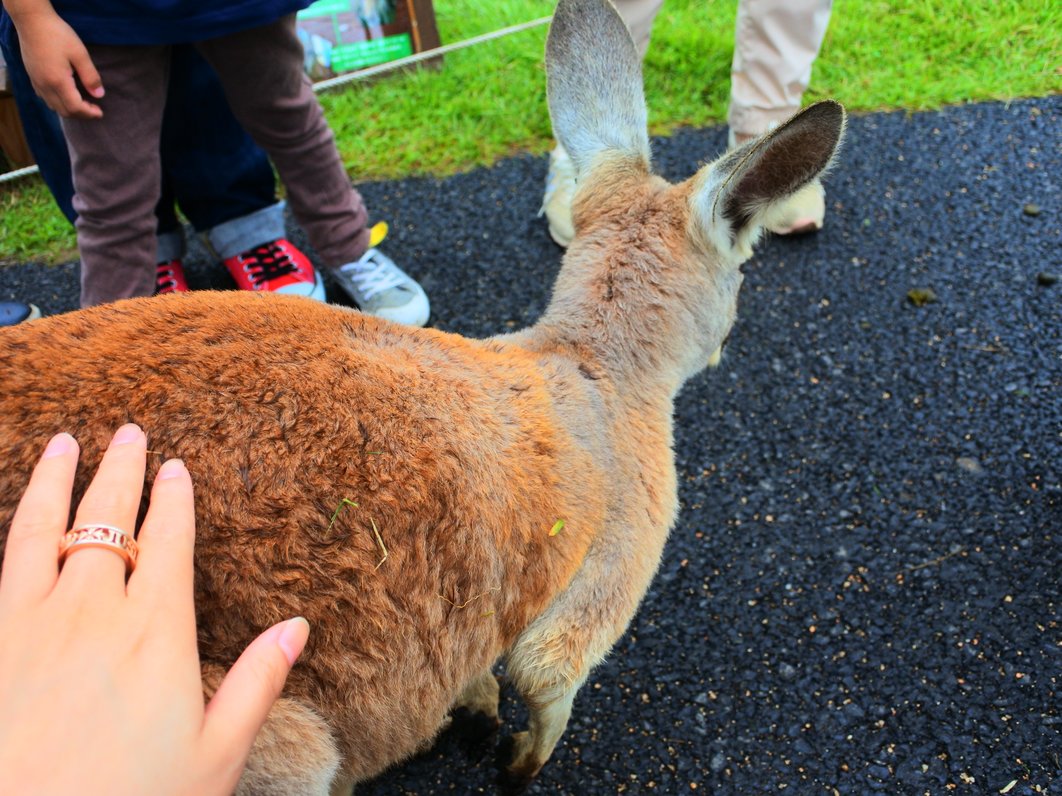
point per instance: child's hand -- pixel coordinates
(54, 56)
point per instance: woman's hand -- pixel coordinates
(100, 688)
(54, 56)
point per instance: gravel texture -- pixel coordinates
(862, 594)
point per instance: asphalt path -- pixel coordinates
(862, 593)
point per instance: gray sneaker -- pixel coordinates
(381, 288)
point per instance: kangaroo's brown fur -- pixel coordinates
(460, 455)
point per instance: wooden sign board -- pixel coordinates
(340, 36)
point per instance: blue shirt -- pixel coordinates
(145, 22)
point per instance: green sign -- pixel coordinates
(357, 55)
(325, 8)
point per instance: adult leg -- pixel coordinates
(639, 16)
(117, 174)
(775, 44)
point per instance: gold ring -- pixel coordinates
(103, 536)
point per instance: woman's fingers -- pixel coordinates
(112, 499)
(254, 682)
(163, 576)
(31, 560)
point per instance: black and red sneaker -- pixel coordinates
(169, 278)
(276, 267)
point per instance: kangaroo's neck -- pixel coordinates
(618, 320)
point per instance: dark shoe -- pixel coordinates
(15, 312)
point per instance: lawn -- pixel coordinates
(488, 101)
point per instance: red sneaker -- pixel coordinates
(276, 267)
(169, 278)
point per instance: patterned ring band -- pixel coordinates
(104, 536)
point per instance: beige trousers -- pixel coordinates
(775, 44)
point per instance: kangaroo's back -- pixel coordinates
(321, 442)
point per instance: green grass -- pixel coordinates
(489, 101)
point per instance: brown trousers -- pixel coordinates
(117, 172)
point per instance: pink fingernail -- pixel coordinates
(171, 468)
(59, 445)
(126, 434)
(292, 638)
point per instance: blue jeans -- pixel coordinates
(220, 179)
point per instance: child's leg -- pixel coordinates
(115, 162)
(216, 171)
(261, 72)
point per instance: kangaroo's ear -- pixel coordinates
(741, 192)
(594, 84)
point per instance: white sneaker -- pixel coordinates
(557, 200)
(381, 288)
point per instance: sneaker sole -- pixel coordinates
(318, 292)
(800, 227)
(401, 314)
(561, 239)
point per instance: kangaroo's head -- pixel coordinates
(650, 282)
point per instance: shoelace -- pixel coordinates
(165, 279)
(267, 262)
(373, 276)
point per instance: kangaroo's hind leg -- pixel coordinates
(475, 714)
(294, 754)
(481, 695)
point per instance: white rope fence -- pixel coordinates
(371, 71)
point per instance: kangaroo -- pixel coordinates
(432, 503)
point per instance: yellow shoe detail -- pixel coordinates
(377, 234)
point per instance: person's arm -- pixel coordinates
(55, 58)
(100, 686)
